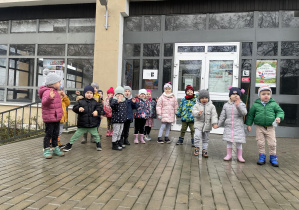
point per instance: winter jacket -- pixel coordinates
(65, 101)
(232, 118)
(152, 108)
(86, 119)
(142, 110)
(130, 107)
(51, 107)
(119, 110)
(208, 118)
(107, 108)
(264, 115)
(185, 110)
(167, 107)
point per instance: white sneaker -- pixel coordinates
(149, 138)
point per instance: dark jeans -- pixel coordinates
(147, 130)
(139, 125)
(125, 133)
(52, 132)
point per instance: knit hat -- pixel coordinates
(189, 87)
(100, 91)
(110, 90)
(203, 93)
(266, 87)
(142, 91)
(119, 90)
(149, 91)
(235, 90)
(128, 88)
(168, 84)
(94, 84)
(51, 78)
(88, 88)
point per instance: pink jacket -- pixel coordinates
(51, 107)
(167, 107)
(107, 108)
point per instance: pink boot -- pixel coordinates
(228, 154)
(111, 133)
(108, 133)
(240, 158)
(141, 138)
(136, 138)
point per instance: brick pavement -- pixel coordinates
(150, 176)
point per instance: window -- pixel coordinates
(222, 48)
(82, 25)
(23, 26)
(51, 49)
(168, 50)
(151, 50)
(267, 48)
(231, 20)
(152, 23)
(52, 26)
(19, 95)
(185, 22)
(291, 115)
(133, 23)
(167, 70)
(131, 73)
(132, 50)
(3, 27)
(289, 76)
(79, 73)
(154, 65)
(191, 49)
(246, 48)
(3, 49)
(268, 19)
(21, 72)
(289, 20)
(3, 71)
(80, 50)
(22, 49)
(290, 48)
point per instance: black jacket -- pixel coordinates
(130, 107)
(86, 119)
(119, 111)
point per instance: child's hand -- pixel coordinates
(237, 101)
(120, 97)
(157, 99)
(134, 100)
(277, 119)
(77, 92)
(62, 94)
(143, 115)
(215, 126)
(95, 113)
(249, 128)
(159, 117)
(51, 93)
(200, 112)
(81, 109)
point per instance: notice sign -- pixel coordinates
(266, 73)
(54, 66)
(150, 74)
(245, 79)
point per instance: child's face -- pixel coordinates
(118, 95)
(56, 85)
(204, 100)
(148, 95)
(167, 90)
(110, 95)
(95, 89)
(127, 93)
(189, 92)
(142, 95)
(89, 95)
(265, 95)
(100, 94)
(60, 92)
(234, 97)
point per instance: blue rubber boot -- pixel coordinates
(180, 141)
(262, 159)
(273, 160)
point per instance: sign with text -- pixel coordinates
(266, 73)
(245, 79)
(150, 74)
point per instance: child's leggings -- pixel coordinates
(230, 145)
(80, 131)
(52, 132)
(139, 125)
(109, 124)
(60, 129)
(184, 128)
(163, 126)
(117, 131)
(204, 136)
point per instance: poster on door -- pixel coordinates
(266, 73)
(53, 66)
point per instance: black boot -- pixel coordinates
(126, 141)
(115, 146)
(121, 143)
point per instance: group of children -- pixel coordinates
(196, 112)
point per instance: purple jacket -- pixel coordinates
(51, 107)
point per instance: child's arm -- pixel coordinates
(214, 119)
(250, 116)
(159, 107)
(47, 99)
(66, 100)
(113, 103)
(76, 107)
(279, 113)
(222, 116)
(134, 104)
(195, 111)
(241, 109)
(178, 113)
(100, 108)
(176, 105)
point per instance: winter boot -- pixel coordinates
(228, 154)
(136, 139)
(239, 154)
(47, 153)
(141, 138)
(121, 143)
(205, 153)
(262, 159)
(167, 140)
(67, 147)
(111, 133)
(57, 152)
(126, 141)
(160, 141)
(192, 142)
(107, 133)
(99, 146)
(84, 141)
(115, 146)
(145, 137)
(180, 141)
(196, 151)
(273, 160)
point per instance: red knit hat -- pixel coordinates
(189, 87)
(110, 90)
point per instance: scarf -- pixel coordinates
(168, 95)
(188, 97)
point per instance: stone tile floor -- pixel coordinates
(150, 176)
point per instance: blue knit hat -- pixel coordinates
(88, 88)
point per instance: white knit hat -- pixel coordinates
(264, 88)
(142, 91)
(168, 84)
(51, 78)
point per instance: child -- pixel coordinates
(205, 116)
(141, 115)
(131, 104)
(232, 116)
(185, 113)
(108, 111)
(167, 106)
(51, 112)
(88, 110)
(152, 114)
(119, 116)
(263, 113)
(65, 101)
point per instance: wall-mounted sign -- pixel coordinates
(246, 73)
(245, 79)
(54, 66)
(150, 74)
(266, 73)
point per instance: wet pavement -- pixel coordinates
(150, 176)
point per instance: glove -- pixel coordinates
(159, 117)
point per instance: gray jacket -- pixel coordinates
(232, 118)
(209, 116)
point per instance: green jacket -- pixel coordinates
(264, 115)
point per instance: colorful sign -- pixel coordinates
(245, 79)
(266, 73)
(54, 66)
